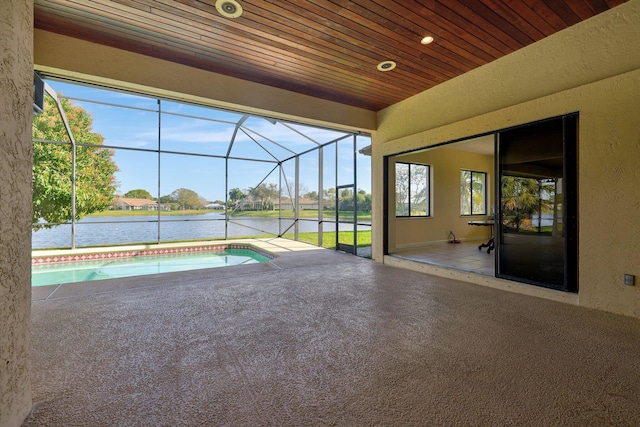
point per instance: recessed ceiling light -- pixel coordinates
(228, 8)
(426, 40)
(386, 66)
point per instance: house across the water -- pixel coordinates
(133, 204)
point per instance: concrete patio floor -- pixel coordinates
(318, 337)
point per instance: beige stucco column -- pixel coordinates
(16, 87)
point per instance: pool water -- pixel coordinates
(81, 271)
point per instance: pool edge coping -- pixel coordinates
(40, 257)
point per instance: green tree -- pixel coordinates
(329, 197)
(364, 201)
(265, 194)
(312, 195)
(411, 189)
(521, 198)
(345, 201)
(402, 189)
(139, 194)
(167, 202)
(235, 195)
(95, 183)
(188, 199)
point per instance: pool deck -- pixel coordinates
(287, 253)
(319, 337)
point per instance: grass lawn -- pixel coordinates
(329, 238)
(307, 213)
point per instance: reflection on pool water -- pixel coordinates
(50, 273)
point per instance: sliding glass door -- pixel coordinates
(536, 227)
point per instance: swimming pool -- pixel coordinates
(89, 267)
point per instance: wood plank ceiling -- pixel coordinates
(323, 48)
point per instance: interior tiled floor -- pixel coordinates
(463, 256)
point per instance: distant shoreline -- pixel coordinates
(263, 214)
(140, 212)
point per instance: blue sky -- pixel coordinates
(208, 131)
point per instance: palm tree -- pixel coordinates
(520, 199)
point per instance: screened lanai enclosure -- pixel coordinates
(119, 168)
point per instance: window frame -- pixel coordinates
(428, 190)
(485, 197)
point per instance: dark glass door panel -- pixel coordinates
(531, 231)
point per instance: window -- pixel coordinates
(412, 189)
(473, 200)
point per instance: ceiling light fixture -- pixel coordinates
(386, 66)
(426, 40)
(228, 8)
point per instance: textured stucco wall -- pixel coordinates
(609, 137)
(16, 81)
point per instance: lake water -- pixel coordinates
(93, 231)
